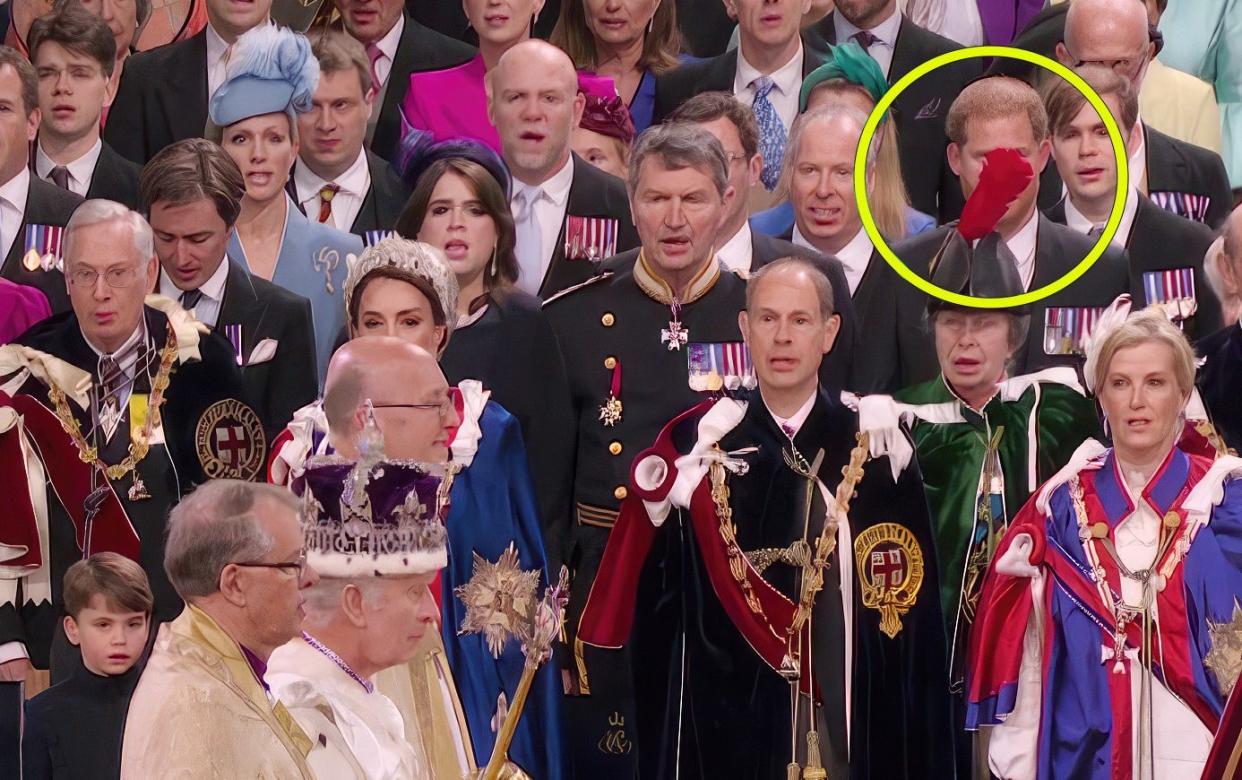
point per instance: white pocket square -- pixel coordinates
(264, 351)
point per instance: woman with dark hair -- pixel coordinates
(630, 41)
(500, 335)
(406, 289)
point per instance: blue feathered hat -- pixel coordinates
(272, 70)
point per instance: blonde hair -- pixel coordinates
(1151, 325)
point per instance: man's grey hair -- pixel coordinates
(1233, 238)
(99, 211)
(214, 526)
(680, 146)
(822, 115)
(323, 598)
(819, 280)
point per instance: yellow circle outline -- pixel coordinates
(873, 124)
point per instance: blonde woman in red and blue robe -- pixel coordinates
(1107, 637)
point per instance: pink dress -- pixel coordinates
(20, 307)
(450, 103)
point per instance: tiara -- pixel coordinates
(412, 257)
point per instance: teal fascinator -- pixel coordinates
(846, 61)
(272, 70)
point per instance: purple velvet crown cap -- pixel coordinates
(385, 520)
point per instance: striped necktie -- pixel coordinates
(326, 194)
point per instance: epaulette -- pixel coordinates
(605, 274)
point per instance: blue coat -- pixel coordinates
(312, 264)
(778, 221)
(493, 504)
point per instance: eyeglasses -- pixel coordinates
(296, 567)
(442, 407)
(115, 277)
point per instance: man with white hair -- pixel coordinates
(124, 405)
(236, 554)
(368, 613)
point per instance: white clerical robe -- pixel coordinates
(357, 725)
(199, 711)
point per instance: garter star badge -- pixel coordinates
(890, 570)
(229, 441)
(1225, 657)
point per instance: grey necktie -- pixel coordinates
(190, 299)
(60, 176)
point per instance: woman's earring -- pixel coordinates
(492, 271)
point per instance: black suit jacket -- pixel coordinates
(919, 112)
(421, 48)
(836, 372)
(1219, 378)
(384, 201)
(162, 98)
(290, 380)
(1160, 241)
(1057, 250)
(592, 193)
(115, 178)
(715, 74)
(46, 204)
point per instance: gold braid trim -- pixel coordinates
(139, 445)
(728, 532)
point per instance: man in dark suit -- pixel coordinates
(335, 179)
(1178, 176)
(397, 46)
(192, 191)
(1220, 375)
(764, 72)
(568, 214)
(73, 52)
(163, 93)
(32, 212)
(1166, 252)
(899, 46)
(1003, 118)
(743, 250)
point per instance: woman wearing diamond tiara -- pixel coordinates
(406, 289)
(1108, 628)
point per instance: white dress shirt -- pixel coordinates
(793, 423)
(787, 80)
(1022, 245)
(217, 59)
(540, 223)
(886, 31)
(1075, 220)
(13, 195)
(388, 48)
(207, 310)
(957, 20)
(736, 253)
(81, 170)
(346, 203)
(854, 257)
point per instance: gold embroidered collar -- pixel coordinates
(657, 289)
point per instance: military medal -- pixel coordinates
(1174, 290)
(590, 238)
(43, 247)
(373, 237)
(610, 412)
(1066, 328)
(675, 335)
(234, 334)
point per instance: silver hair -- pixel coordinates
(324, 597)
(1019, 326)
(819, 280)
(825, 113)
(214, 526)
(681, 145)
(98, 211)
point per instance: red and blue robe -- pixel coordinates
(1085, 707)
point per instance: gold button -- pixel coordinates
(610, 362)
(620, 493)
(608, 319)
(615, 448)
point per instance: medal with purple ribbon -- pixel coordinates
(234, 334)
